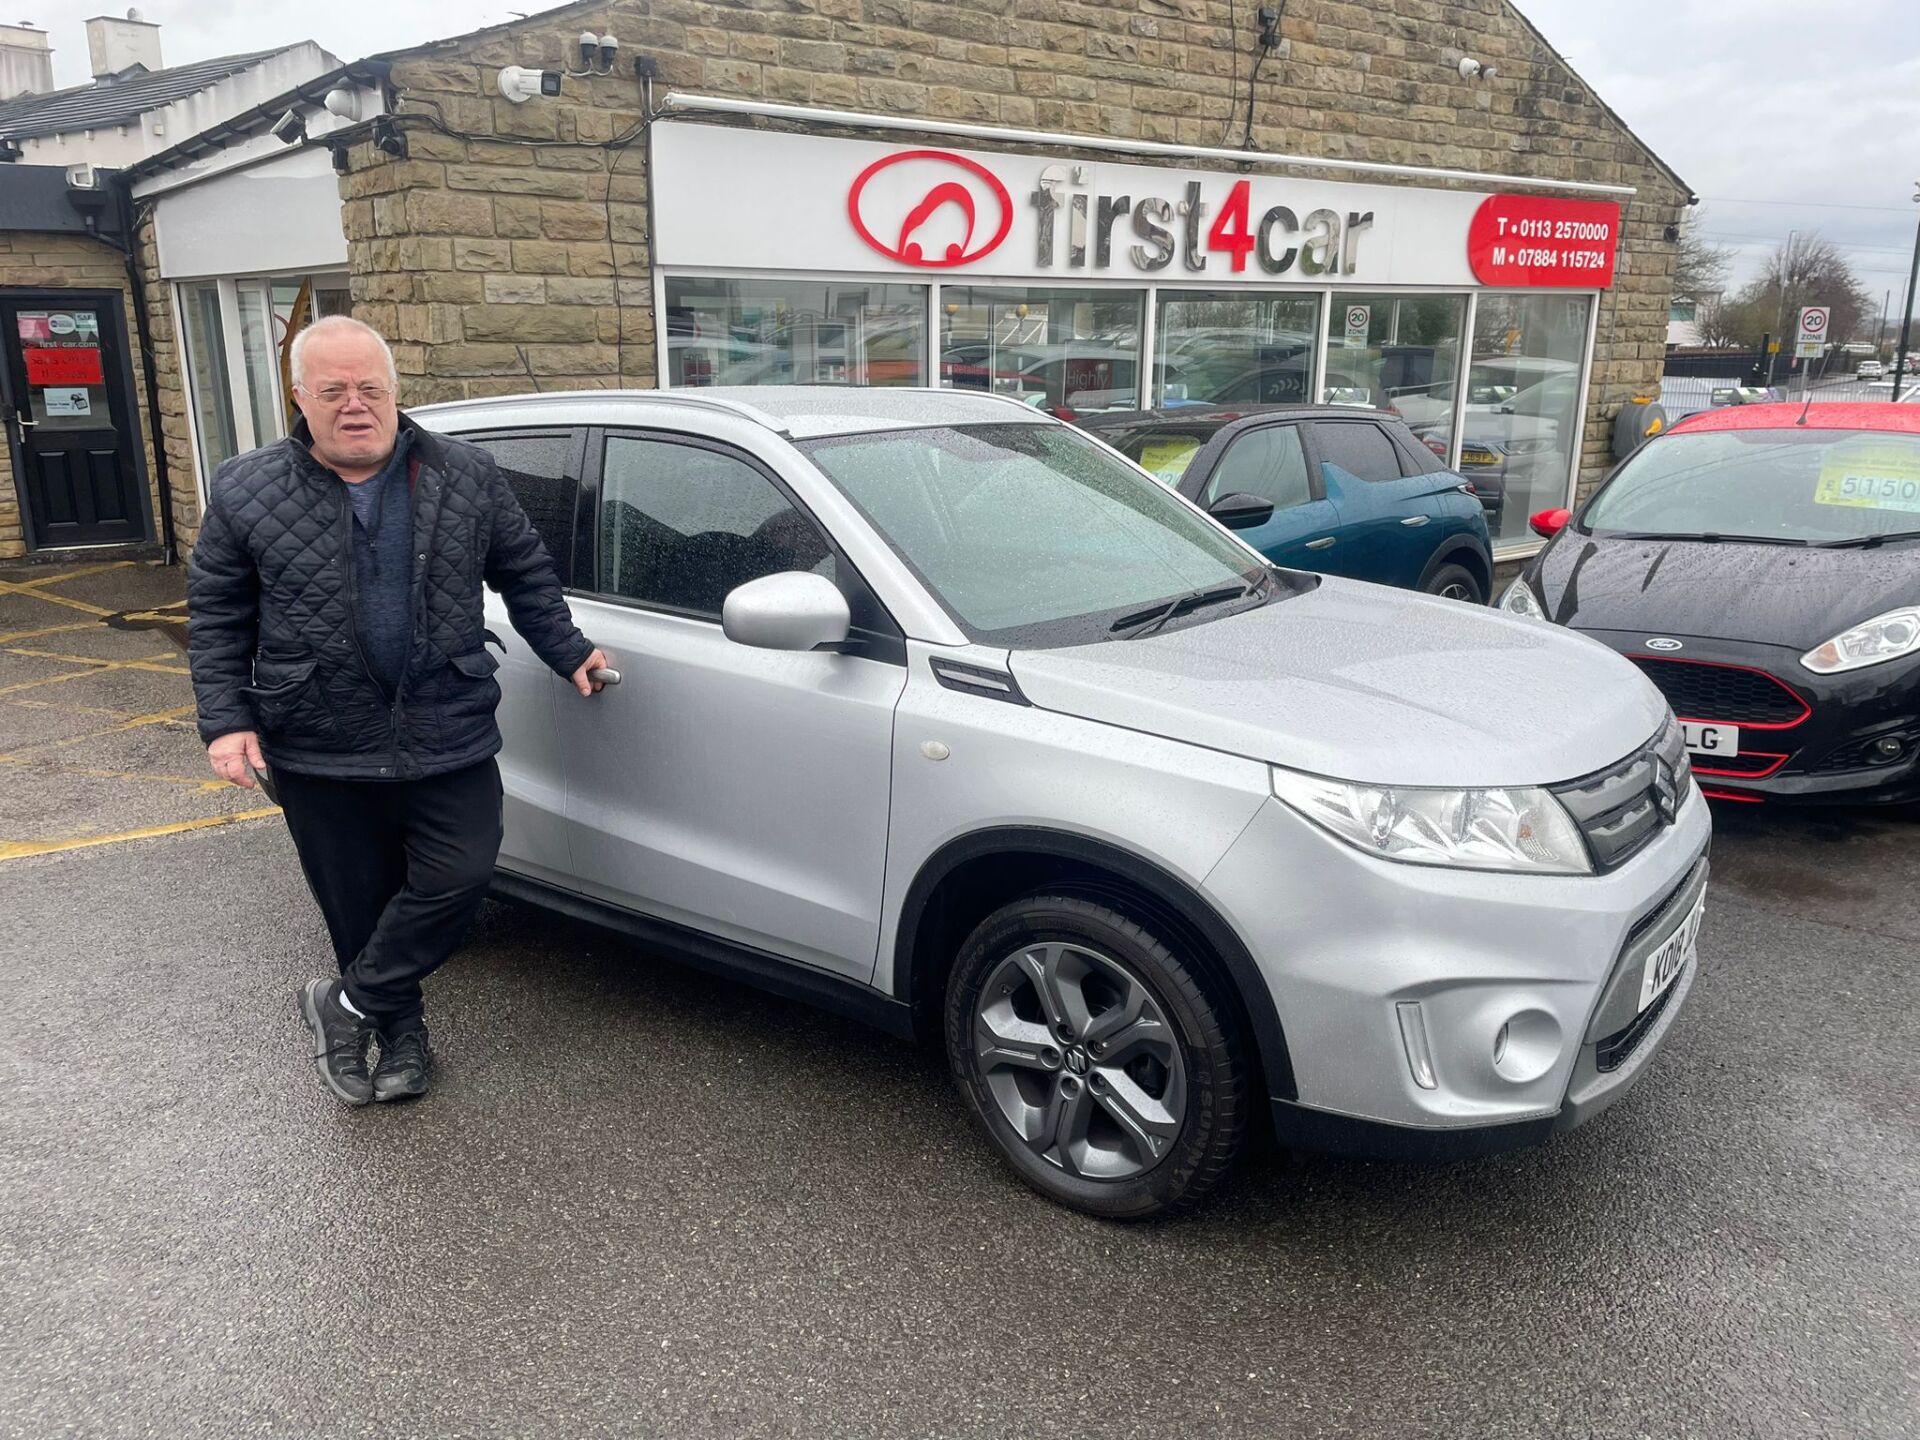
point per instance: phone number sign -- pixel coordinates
(1538, 241)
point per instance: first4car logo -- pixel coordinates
(930, 208)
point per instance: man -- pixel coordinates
(337, 636)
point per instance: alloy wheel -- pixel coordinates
(1456, 591)
(1081, 1060)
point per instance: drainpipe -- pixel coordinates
(137, 286)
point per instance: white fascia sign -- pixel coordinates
(739, 199)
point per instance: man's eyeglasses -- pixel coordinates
(339, 394)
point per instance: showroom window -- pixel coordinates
(1068, 351)
(1399, 352)
(1234, 349)
(236, 333)
(794, 332)
(1523, 405)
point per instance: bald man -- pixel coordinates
(338, 643)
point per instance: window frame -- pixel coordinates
(873, 634)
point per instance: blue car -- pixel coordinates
(1342, 491)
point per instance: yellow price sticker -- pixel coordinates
(1871, 475)
(1167, 459)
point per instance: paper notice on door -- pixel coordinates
(67, 402)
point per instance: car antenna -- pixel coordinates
(1806, 407)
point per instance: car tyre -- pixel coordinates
(1456, 582)
(1105, 1065)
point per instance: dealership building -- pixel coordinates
(1088, 207)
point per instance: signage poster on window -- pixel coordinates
(32, 325)
(1359, 322)
(67, 400)
(78, 366)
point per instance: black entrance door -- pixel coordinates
(68, 401)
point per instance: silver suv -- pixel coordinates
(936, 710)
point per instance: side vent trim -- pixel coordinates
(978, 680)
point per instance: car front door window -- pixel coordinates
(1268, 462)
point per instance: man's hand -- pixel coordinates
(230, 756)
(596, 661)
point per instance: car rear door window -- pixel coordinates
(539, 469)
(1358, 447)
(681, 525)
(1268, 462)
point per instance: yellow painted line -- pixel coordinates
(152, 662)
(9, 587)
(198, 784)
(98, 667)
(106, 710)
(159, 717)
(20, 849)
(63, 576)
(49, 630)
(165, 615)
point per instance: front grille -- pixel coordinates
(1748, 765)
(1618, 809)
(1612, 1052)
(1734, 694)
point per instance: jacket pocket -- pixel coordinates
(475, 665)
(279, 689)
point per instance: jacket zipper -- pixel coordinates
(353, 616)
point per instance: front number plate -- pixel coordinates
(1711, 739)
(1671, 955)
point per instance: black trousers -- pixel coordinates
(399, 869)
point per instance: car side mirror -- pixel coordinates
(1241, 511)
(796, 610)
(1549, 523)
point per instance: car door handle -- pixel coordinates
(604, 675)
(1322, 543)
(1416, 520)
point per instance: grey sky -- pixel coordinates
(1810, 106)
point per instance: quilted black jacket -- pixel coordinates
(271, 629)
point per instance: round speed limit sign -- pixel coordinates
(1813, 321)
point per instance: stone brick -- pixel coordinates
(559, 184)
(540, 257)
(570, 291)
(476, 359)
(441, 212)
(572, 220)
(515, 290)
(531, 323)
(517, 217)
(483, 254)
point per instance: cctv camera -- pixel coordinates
(290, 129)
(520, 84)
(344, 101)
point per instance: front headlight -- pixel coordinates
(1519, 599)
(1522, 830)
(1872, 642)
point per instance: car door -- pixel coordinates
(735, 791)
(543, 468)
(1383, 523)
(1270, 461)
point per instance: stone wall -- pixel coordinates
(169, 361)
(67, 262)
(494, 256)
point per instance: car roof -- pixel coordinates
(798, 412)
(1838, 415)
(1202, 417)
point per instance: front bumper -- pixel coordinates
(1825, 756)
(1346, 941)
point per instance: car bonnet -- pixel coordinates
(1365, 683)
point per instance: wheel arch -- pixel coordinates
(1465, 551)
(971, 876)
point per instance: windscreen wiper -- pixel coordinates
(1707, 537)
(1145, 622)
(1869, 542)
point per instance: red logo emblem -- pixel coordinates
(930, 208)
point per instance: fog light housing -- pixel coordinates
(1888, 747)
(1526, 1046)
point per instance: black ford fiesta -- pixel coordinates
(1762, 565)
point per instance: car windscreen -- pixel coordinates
(1032, 534)
(1809, 487)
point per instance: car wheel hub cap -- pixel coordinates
(1081, 1061)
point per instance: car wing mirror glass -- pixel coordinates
(796, 610)
(1241, 511)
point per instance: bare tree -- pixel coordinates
(1699, 269)
(1814, 271)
